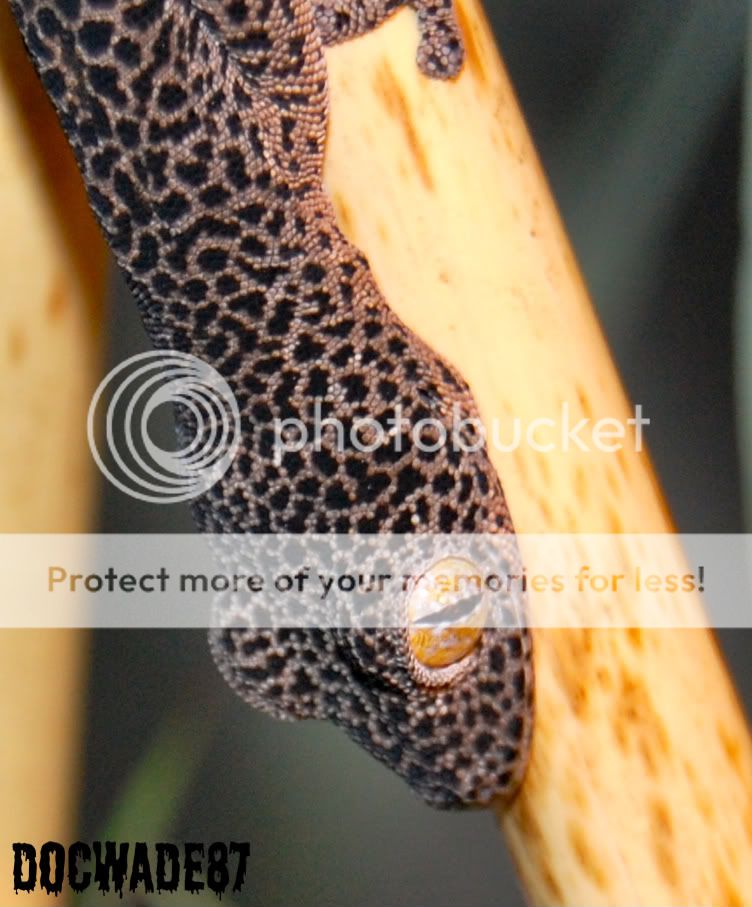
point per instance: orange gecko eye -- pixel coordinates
(446, 612)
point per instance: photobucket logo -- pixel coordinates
(467, 434)
(142, 468)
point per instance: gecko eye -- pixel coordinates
(446, 611)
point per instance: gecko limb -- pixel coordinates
(440, 51)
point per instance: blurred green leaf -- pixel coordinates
(148, 803)
(152, 796)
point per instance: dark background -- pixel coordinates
(636, 109)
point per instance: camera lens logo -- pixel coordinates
(140, 467)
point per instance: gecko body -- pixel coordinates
(199, 127)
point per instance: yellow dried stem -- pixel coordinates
(640, 785)
(52, 274)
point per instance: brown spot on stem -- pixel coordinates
(587, 859)
(703, 801)
(728, 894)
(732, 748)
(614, 521)
(634, 635)
(584, 400)
(662, 832)
(579, 699)
(528, 821)
(604, 678)
(473, 54)
(637, 725)
(662, 821)
(575, 664)
(16, 345)
(557, 895)
(344, 215)
(57, 301)
(388, 89)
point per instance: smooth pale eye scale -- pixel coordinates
(447, 609)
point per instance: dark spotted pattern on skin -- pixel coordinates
(199, 127)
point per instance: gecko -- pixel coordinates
(199, 127)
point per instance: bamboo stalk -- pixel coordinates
(640, 784)
(52, 274)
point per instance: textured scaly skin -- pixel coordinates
(199, 127)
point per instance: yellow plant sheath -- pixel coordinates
(640, 785)
(52, 275)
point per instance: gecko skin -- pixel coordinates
(199, 127)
